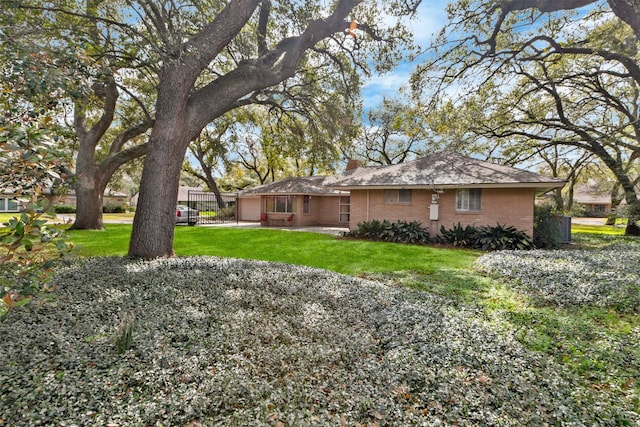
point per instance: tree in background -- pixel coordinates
(571, 81)
(208, 150)
(208, 58)
(101, 95)
(299, 129)
(394, 133)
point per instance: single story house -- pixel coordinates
(596, 203)
(183, 195)
(109, 198)
(442, 189)
(9, 203)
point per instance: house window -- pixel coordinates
(9, 205)
(280, 204)
(469, 200)
(397, 196)
(345, 208)
(306, 205)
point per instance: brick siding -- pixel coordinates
(507, 206)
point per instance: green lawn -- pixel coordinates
(347, 256)
(608, 230)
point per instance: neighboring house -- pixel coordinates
(596, 203)
(183, 195)
(109, 198)
(438, 190)
(9, 202)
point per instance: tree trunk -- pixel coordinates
(154, 221)
(89, 193)
(213, 187)
(633, 216)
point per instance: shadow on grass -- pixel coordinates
(598, 345)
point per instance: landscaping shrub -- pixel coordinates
(30, 249)
(465, 237)
(499, 237)
(114, 209)
(228, 213)
(64, 209)
(487, 238)
(386, 231)
(370, 230)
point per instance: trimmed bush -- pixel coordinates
(487, 238)
(458, 236)
(386, 231)
(114, 209)
(64, 209)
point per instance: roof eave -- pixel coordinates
(536, 185)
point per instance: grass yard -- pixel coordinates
(346, 256)
(462, 337)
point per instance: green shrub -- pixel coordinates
(64, 209)
(29, 251)
(387, 231)
(458, 236)
(491, 238)
(577, 210)
(228, 213)
(500, 237)
(370, 230)
(114, 209)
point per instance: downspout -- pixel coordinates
(368, 205)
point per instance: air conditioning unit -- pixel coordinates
(564, 227)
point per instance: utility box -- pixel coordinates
(564, 228)
(433, 212)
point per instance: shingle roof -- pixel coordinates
(446, 170)
(295, 185)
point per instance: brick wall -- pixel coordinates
(507, 206)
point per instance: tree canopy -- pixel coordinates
(196, 60)
(535, 75)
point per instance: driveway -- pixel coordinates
(69, 218)
(588, 221)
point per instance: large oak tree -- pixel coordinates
(104, 110)
(545, 77)
(186, 104)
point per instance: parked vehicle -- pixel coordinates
(185, 214)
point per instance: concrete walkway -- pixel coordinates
(310, 229)
(69, 218)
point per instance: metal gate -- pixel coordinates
(212, 212)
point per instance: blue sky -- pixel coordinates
(431, 18)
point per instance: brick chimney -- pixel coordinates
(353, 164)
